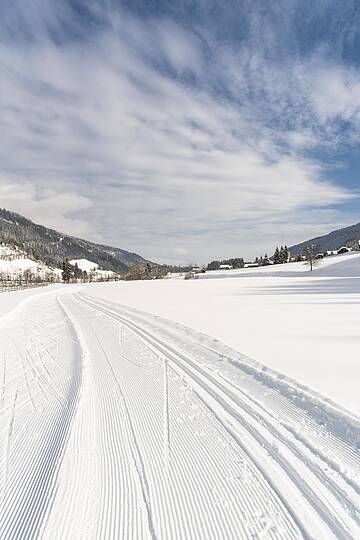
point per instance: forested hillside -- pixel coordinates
(348, 236)
(52, 247)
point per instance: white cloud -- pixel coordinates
(103, 143)
(46, 206)
(336, 93)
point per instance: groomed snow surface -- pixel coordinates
(121, 423)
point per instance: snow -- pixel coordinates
(14, 262)
(303, 324)
(11, 300)
(283, 269)
(89, 266)
(17, 265)
(8, 251)
(85, 265)
(117, 421)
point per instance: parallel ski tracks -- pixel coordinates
(118, 424)
(335, 451)
(312, 496)
(180, 504)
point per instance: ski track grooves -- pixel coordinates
(32, 462)
(179, 503)
(134, 447)
(117, 424)
(291, 463)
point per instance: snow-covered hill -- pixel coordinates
(85, 265)
(93, 270)
(15, 263)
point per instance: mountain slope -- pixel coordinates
(52, 247)
(348, 236)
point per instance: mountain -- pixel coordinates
(348, 236)
(52, 247)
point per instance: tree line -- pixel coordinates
(237, 262)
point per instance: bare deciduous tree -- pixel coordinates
(310, 257)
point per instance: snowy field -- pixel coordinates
(303, 324)
(183, 420)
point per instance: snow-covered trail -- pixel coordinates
(41, 372)
(118, 424)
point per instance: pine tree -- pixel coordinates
(286, 254)
(66, 271)
(277, 256)
(77, 271)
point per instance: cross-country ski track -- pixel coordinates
(117, 424)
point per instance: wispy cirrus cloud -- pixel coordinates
(150, 134)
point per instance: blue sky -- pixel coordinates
(183, 130)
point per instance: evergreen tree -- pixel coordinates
(77, 271)
(277, 256)
(285, 254)
(238, 262)
(214, 265)
(66, 271)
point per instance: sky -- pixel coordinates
(183, 130)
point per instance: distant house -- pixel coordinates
(319, 256)
(251, 265)
(225, 267)
(343, 250)
(328, 253)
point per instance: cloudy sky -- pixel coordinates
(185, 130)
